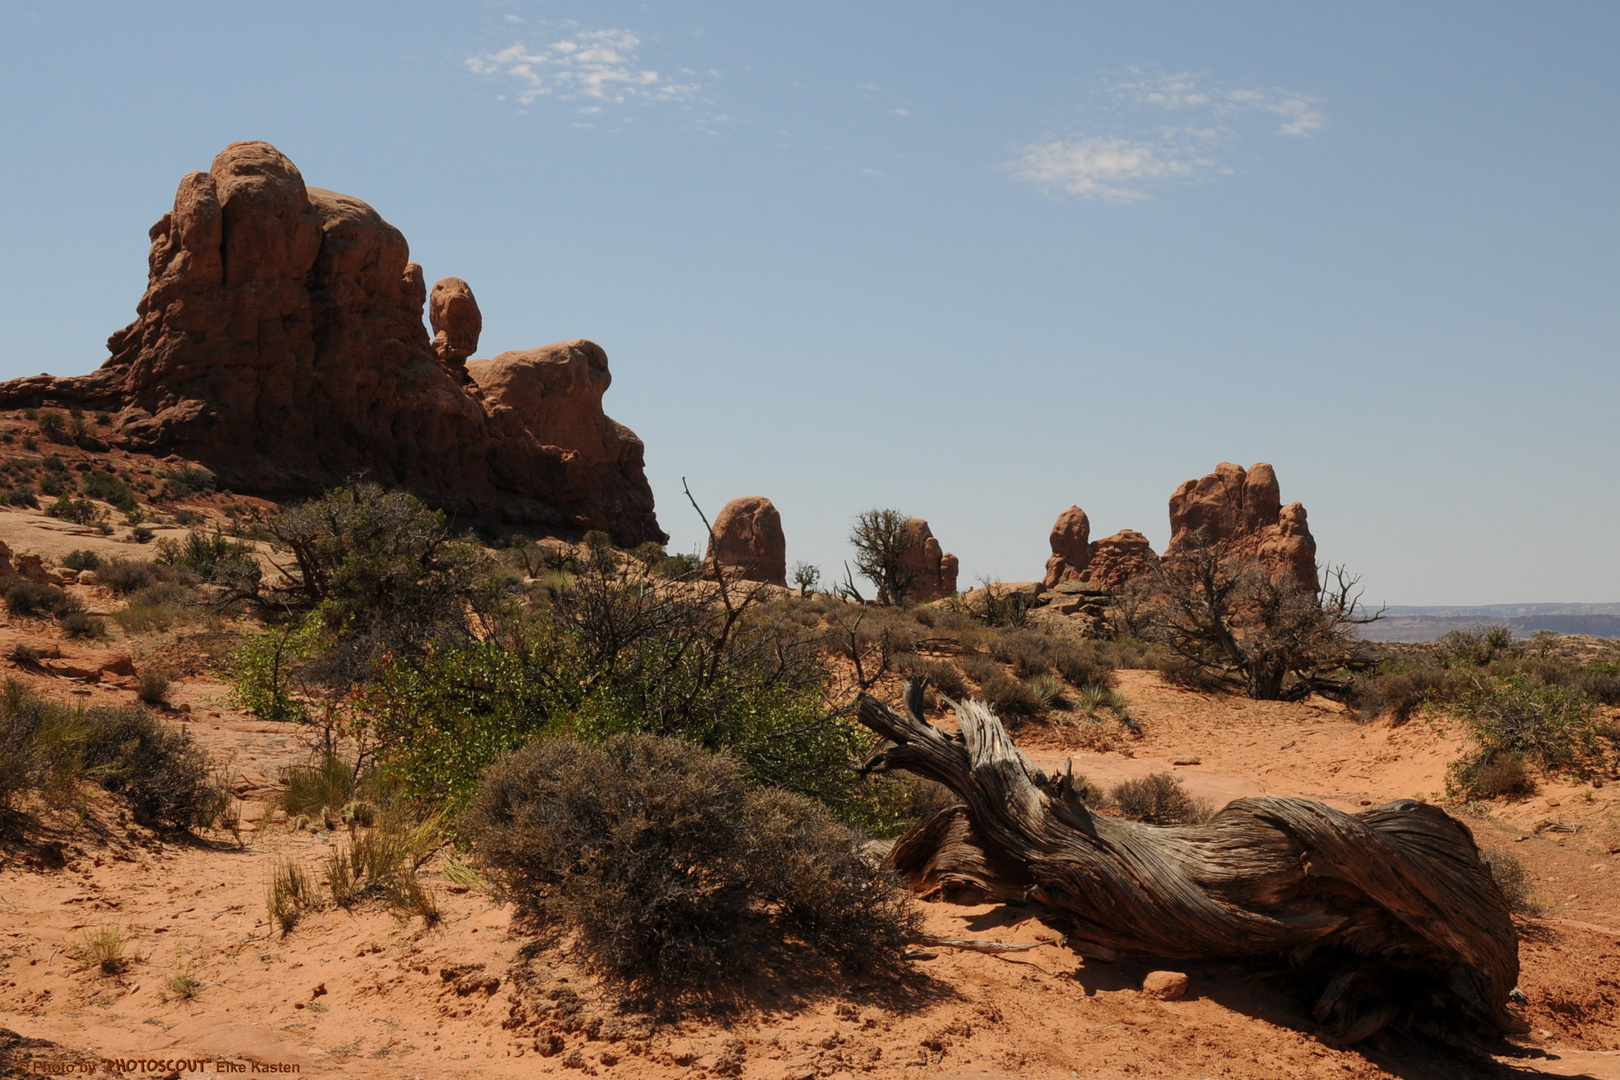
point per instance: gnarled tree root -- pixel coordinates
(1387, 916)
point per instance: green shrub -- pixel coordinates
(669, 871)
(186, 481)
(1400, 692)
(37, 598)
(124, 576)
(264, 669)
(81, 559)
(23, 495)
(52, 423)
(109, 489)
(206, 555)
(1551, 726)
(1158, 799)
(78, 511)
(1474, 648)
(1012, 699)
(162, 772)
(38, 746)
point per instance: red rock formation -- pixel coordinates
(457, 322)
(280, 343)
(932, 570)
(748, 543)
(1071, 547)
(1242, 513)
(1117, 559)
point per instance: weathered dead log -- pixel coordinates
(1383, 917)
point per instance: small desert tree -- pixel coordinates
(1236, 624)
(806, 577)
(881, 539)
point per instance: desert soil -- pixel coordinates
(361, 994)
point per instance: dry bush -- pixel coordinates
(153, 687)
(1510, 876)
(1012, 699)
(669, 871)
(183, 986)
(939, 674)
(1159, 799)
(1400, 693)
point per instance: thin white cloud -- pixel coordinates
(1113, 170)
(1142, 152)
(594, 67)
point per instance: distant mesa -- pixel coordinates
(748, 543)
(1241, 513)
(280, 343)
(931, 570)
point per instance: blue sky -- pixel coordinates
(978, 262)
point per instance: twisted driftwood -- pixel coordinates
(1384, 917)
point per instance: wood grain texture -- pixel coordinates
(1387, 916)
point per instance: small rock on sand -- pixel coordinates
(1165, 985)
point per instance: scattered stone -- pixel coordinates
(1165, 985)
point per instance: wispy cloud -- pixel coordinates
(595, 68)
(1162, 129)
(1114, 170)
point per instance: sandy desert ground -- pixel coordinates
(361, 994)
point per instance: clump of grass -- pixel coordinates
(102, 950)
(289, 896)
(1093, 698)
(183, 986)
(1159, 799)
(1048, 689)
(327, 785)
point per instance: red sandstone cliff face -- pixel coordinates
(748, 543)
(280, 343)
(1242, 513)
(931, 569)
(1110, 562)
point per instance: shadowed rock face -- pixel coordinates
(748, 543)
(280, 343)
(1242, 513)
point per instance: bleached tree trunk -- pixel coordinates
(1387, 916)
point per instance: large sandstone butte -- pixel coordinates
(1241, 513)
(748, 543)
(931, 570)
(280, 343)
